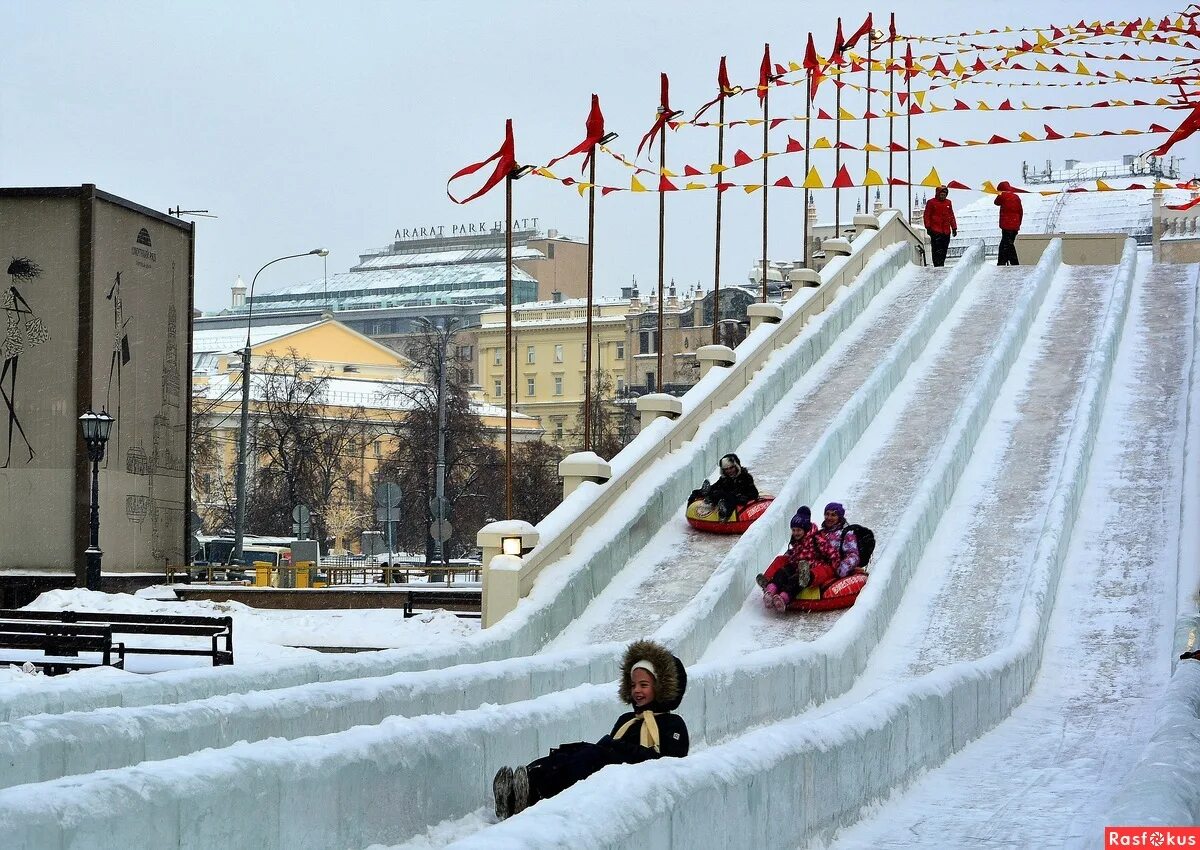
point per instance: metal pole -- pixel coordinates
(837, 152)
(807, 146)
(766, 160)
(239, 528)
(93, 554)
(716, 335)
(440, 485)
(508, 352)
(891, 117)
(867, 145)
(662, 218)
(587, 341)
(908, 141)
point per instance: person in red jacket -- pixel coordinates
(1010, 222)
(941, 224)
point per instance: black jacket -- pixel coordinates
(671, 684)
(736, 491)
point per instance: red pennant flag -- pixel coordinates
(784, 183)
(869, 114)
(903, 97)
(954, 184)
(604, 190)
(664, 114)
(1189, 126)
(897, 181)
(939, 67)
(764, 73)
(1006, 105)
(775, 122)
(812, 67)
(505, 159)
(1158, 128)
(843, 180)
(595, 132)
(909, 70)
(855, 67)
(835, 57)
(892, 28)
(896, 147)
(1051, 133)
(864, 30)
(946, 143)
(846, 146)
(1060, 69)
(723, 187)
(979, 66)
(1025, 46)
(1193, 202)
(1129, 30)
(914, 109)
(823, 115)
(998, 140)
(665, 185)
(1057, 34)
(689, 171)
(793, 146)
(959, 106)
(740, 158)
(1165, 23)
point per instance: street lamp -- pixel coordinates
(96, 427)
(239, 531)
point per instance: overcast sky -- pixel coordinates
(304, 124)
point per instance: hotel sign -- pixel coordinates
(462, 229)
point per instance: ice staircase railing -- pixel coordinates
(503, 587)
(52, 746)
(803, 778)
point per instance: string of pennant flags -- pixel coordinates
(1183, 22)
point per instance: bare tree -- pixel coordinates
(537, 488)
(609, 435)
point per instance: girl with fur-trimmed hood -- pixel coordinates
(653, 681)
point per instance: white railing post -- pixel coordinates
(714, 355)
(576, 468)
(504, 543)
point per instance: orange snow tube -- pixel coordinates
(704, 517)
(839, 593)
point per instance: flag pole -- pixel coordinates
(587, 340)
(508, 351)
(807, 145)
(908, 123)
(766, 161)
(716, 338)
(891, 108)
(662, 218)
(837, 153)
(867, 145)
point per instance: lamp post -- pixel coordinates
(239, 531)
(96, 427)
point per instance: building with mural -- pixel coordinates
(98, 305)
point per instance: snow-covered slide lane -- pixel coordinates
(455, 759)
(784, 784)
(566, 588)
(1044, 775)
(667, 572)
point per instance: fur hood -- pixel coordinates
(671, 679)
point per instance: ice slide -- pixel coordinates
(386, 753)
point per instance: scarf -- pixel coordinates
(649, 734)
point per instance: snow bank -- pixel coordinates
(836, 763)
(1163, 789)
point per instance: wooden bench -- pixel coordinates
(217, 629)
(60, 645)
(453, 602)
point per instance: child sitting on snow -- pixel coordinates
(807, 553)
(653, 682)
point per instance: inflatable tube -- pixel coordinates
(704, 517)
(839, 593)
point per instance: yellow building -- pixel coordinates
(358, 371)
(549, 359)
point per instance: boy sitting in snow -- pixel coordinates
(653, 682)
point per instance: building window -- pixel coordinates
(649, 382)
(351, 490)
(378, 447)
(529, 356)
(620, 385)
(620, 350)
(550, 251)
(466, 352)
(558, 384)
(558, 354)
(529, 385)
(647, 342)
(496, 388)
(583, 352)
(496, 353)
(558, 427)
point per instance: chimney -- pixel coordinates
(556, 297)
(238, 291)
(552, 233)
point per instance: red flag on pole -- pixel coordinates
(595, 132)
(867, 26)
(764, 73)
(812, 67)
(909, 71)
(723, 88)
(664, 113)
(836, 56)
(505, 159)
(892, 28)
(1189, 126)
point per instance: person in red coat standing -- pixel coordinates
(941, 224)
(1010, 223)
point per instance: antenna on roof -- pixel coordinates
(178, 213)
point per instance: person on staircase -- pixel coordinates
(941, 224)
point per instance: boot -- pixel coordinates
(781, 601)
(520, 790)
(761, 580)
(724, 510)
(502, 790)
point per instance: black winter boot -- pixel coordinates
(502, 790)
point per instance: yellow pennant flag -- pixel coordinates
(813, 180)
(1101, 186)
(1162, 101)
(1028, 137)
(792, 66)
(974, 142)
(583, 187)
(753, 122)
(1041, 39)
(634, 185)
(544, 172)
(1040, 67)
(924, 145)
(821, 143)
(1159, 184)
(954, 84)
(1082, 69)
(846, 115)
(717, 168)
(878, 66)
(666, 172)
(920, 96)
(1119, 103)
(695, 186)
(887, 113)
(959, 68)
(983, 107)
(932, 179)
(1048, 194)
(1079, 134)
(873, 178)
(873, 148)
(1121, 76)
(989, 188)
(751, 188)
(936, 108)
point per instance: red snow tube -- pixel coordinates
(839, 593)
(704, 517)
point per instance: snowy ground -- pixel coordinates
(259, 634)
(1043, 777)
